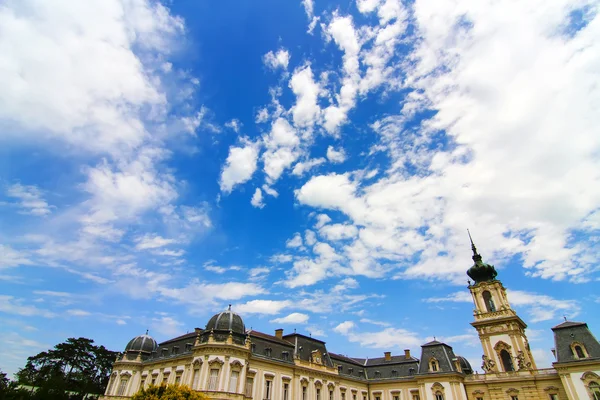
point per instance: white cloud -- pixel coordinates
(294, 242)
(269, 307)
(270, 191)
(234, 124)
(12, 305)
(166, 325)
(293, 318)
(374, 322)
(309, 8)
(310, 237)
(345, 327)
(31, 200)
(281, 151)
(305, 111)
(257, 199)
(84, 83)
(280, 59)
(338, 231)
(150, 241)
(13, 258)
(78, 313)
(322, 220)
(262, 116)
(258, 272)
(336, 156)
(304, 166)
(240, 166)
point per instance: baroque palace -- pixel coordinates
(227, 362)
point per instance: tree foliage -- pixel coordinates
(76, 365)
(170, 392)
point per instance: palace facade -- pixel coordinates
(227, 362)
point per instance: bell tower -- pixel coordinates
(501, 331)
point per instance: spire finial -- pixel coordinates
(565, 317)
(146, 331)
(472, 244)
(229, 307)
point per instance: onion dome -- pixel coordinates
(480, 271)
(142, 343)
(465, 365)
(226, 321)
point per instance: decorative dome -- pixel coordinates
(465, 365)
(480, 271)
(226, 321)
(143, 343)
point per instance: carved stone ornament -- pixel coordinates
(216, 361)
(488, 365)
(522, 362)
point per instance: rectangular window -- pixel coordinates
(479, 398)
(553, 397)
(331, 395)
(353, 396)
(343, 395)
(249, 384)
(318, 394)
(439, 397)
(268, 386)
(213, 379)
(153, 382)
(233, 381)
(303, 392)
(286, 389)
(178, 379)
(196, 379)
(396, 397)
(165, 379)
(514, 397)
(416, 397)
(122, 387)
(377, 398)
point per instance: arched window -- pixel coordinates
(594, 390)
(433, 365)
(506, 361)
(578, 351)
(489, 302)
(122, 386)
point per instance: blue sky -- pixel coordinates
(315, 164)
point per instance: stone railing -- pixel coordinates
(496, 376)
(494, 314)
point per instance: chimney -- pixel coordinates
(406, 353)
(388, 355)
(279, 333)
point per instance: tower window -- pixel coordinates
(506, 361)
(594, 390)
(578, 351)
(489, 301)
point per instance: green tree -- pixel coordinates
(77, 365)
(170, 392)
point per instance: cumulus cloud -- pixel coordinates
(295, 241)
(304, 166)
(293, 318)
(305, 111)
(336, 156)
(277, 60)
(257, 199)
(269, 307)
(239, 166)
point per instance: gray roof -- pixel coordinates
(569, 333)
(226, 321)
(142, 343)
(568, 324)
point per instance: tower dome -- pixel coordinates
(143, 343)
(226, 321)
(480, 271)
